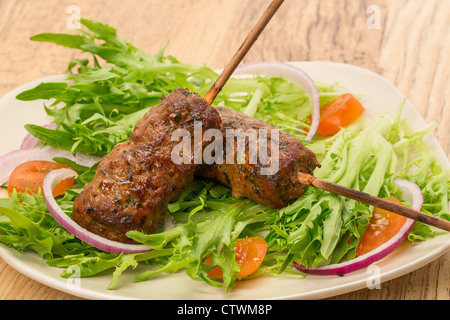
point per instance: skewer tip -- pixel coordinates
(306, 179)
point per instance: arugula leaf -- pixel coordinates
(66, 40)
(53, 137)
(101, 104)
(44, 91)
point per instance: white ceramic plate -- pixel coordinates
(380, 96)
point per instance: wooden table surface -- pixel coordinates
(406, 41)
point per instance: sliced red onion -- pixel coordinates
(11, 160)
(30, 141)
(380, 252)
(50, 181)
(412, 190)
(293, 74)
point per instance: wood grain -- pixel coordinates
(411, 50)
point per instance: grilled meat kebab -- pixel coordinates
(246, 180)
(136, 181)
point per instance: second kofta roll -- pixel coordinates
(275, 189)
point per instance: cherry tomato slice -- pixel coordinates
(382, 227)
(29, 177)
(250, 253)
(340, 113)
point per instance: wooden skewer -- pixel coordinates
(242, 51)
(416, 215)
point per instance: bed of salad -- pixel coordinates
(207, 233)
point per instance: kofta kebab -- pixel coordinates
(136, 181)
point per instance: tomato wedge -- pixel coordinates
(340, 113)
(382, 227)
(29, 177)
(250, 253)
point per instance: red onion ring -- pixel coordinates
(380, 252)
(30, 141)
(293, 74)
(50, 181)
(11, 160)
